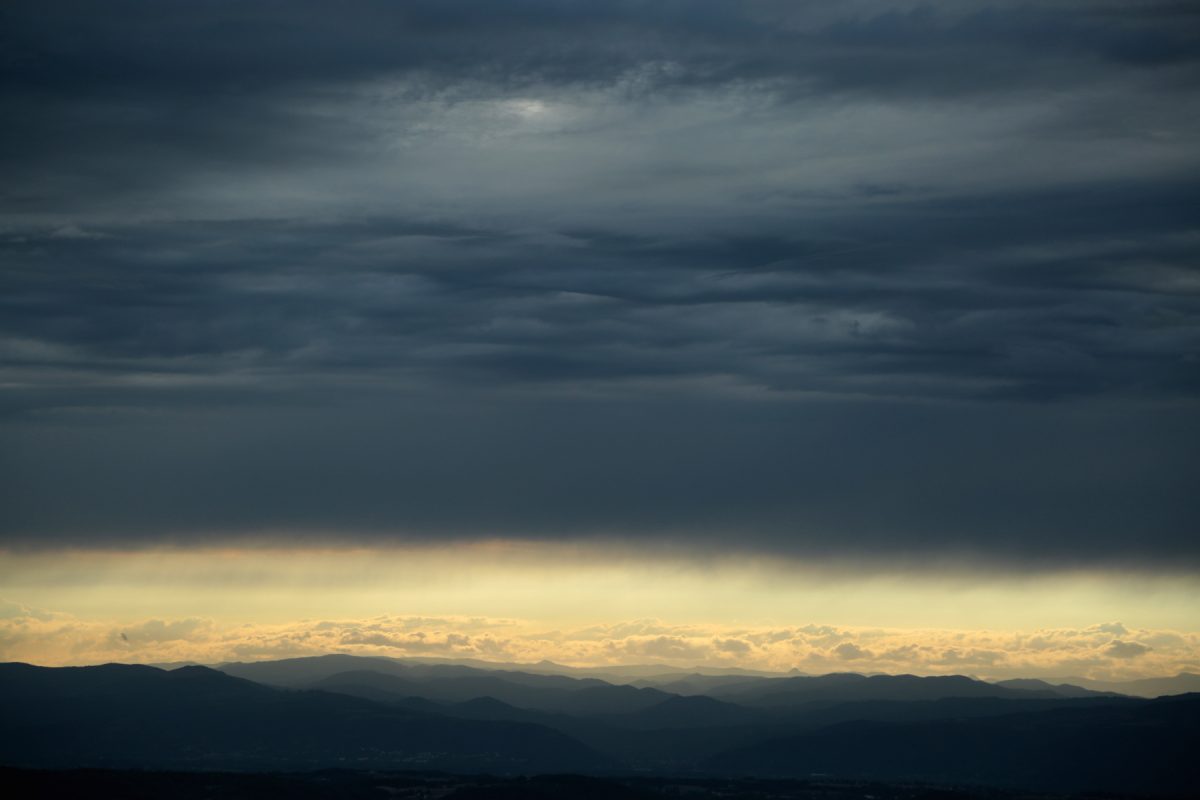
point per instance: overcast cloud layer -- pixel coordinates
(857, 279)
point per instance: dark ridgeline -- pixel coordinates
(381, 714)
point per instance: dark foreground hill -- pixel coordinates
(1139, 746)
(372, 785)
(194, 717)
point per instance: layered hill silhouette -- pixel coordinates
(1070, 689)
(850, 687)
(1184, 682)
(378, 713)
(524, 691)
(122, 715)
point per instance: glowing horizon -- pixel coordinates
(578, 605)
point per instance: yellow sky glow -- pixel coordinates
(523, 601)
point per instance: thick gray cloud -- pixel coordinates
(873, 280)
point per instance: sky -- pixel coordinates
(852, 335)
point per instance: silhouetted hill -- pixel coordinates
(688, 712)
(612, 700)
(370, 690)
(674, 732)
(297, 672)
(555, 694)
(304, 672)
(1126, 747)
(669, 737)
(630, 673)
(1060, 689)
(120, 715)
(848, 687)
(694, 683)
(484, 708)
(1182, 683)
(821, 714)
(366, 683)
(491, 708)
(587, 697)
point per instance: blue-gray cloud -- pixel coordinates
(857, 280)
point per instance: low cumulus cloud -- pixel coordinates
(56, 639)
(848, 651)
(156, 631)
(1119, 649)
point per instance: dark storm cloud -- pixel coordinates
(919, 296)
(859, 279)
(132, 95)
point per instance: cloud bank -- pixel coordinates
(1093, 652)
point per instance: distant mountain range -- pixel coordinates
(1065, 689)
(379, 713)
(1182, 683)
(697, 680)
